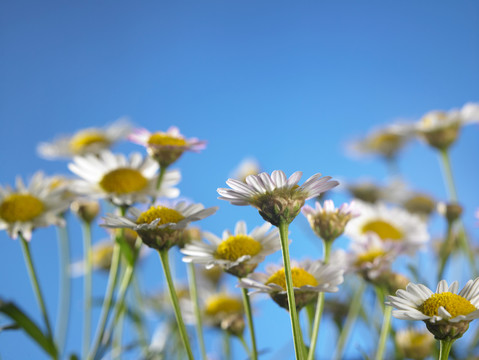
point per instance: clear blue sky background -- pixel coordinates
(286, 82)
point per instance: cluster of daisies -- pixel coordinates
(384, 226)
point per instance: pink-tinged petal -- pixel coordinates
(279, 178)
(294, 178)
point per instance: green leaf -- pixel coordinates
(24, 322)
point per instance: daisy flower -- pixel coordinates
(327, 221)
(309, 278)
(389, 224)
(25, 208)
(166, 147)
(160, 227)
(246, 167)
(120, 180)
(414, 344)
(277, 198)
(86, 141)
(446, 312)
(237, 253)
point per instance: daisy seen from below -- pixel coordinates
(277, 198)
(86, 141)
(24, 208)
(166, 147)
(446, 312)
(309, 278)
(123, 181)
(239, 253)
(389, 224)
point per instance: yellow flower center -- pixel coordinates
(236, 246)
(369, 256)
(83, 139)
(163, 139)
(383, 229)
(300, 278)
(166, 215)
(453, 303)
(123, 181)
(20, 207)
(222, 303)
(383, 140)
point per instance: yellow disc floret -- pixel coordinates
(81, 141)
(162, 139)
(300, 278)
(20, 207)
(166, 215)
(123, 181)
(383, 229)
(369, 256)
(222, 303)
(453, 303)
(236, 246)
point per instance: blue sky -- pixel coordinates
(288, 83)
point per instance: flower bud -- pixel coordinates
(86, 210)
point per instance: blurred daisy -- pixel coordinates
(219, 306)
(160, 226)
(246, 167)
(25, 208)
(277, 198)
(166, 147)
(327, 221)
(120, 180)
(238, 253)
(86, 141)
(414, 344)
(389, 224)
(309, 278)
(446, 313)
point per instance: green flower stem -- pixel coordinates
(297, 337)
(117, 340)
(310, 311)
(351, 317)
(87, 286)
(174, 299)
(444, 349)
(245, 346)
(319, 306)
(249, 316)
(196, 305)
(384, 333)
(227, 345)
(63, 316)
(35, 284)
(108, 300)
(161, 175)
(445, 250)
(140, 324)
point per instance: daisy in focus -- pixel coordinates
(446, 312)
(309, 278)
(239, 253)
(24, 208)
(160, 227)
(166, 147)
(277, 198)
(389, 224)
(86, 141)
(120, 180)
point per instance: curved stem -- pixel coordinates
(249, 316)
(245, 345)
(63, 316)
(447, 173)
(297, 337)
(353, 313)
(444, 349)
(35, 284)
(384, 333)
(88, 254)
(196, 305)
(174, 299)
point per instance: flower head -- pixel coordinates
(120, 180)
(247, 167)
(25, 208)
(237, 253)
(166, 147)
(277, 198)
(389, 224)
(86, 141)
(160, 227)
(414, 344)
(446, 312)
(327, 221)
(309, 278)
